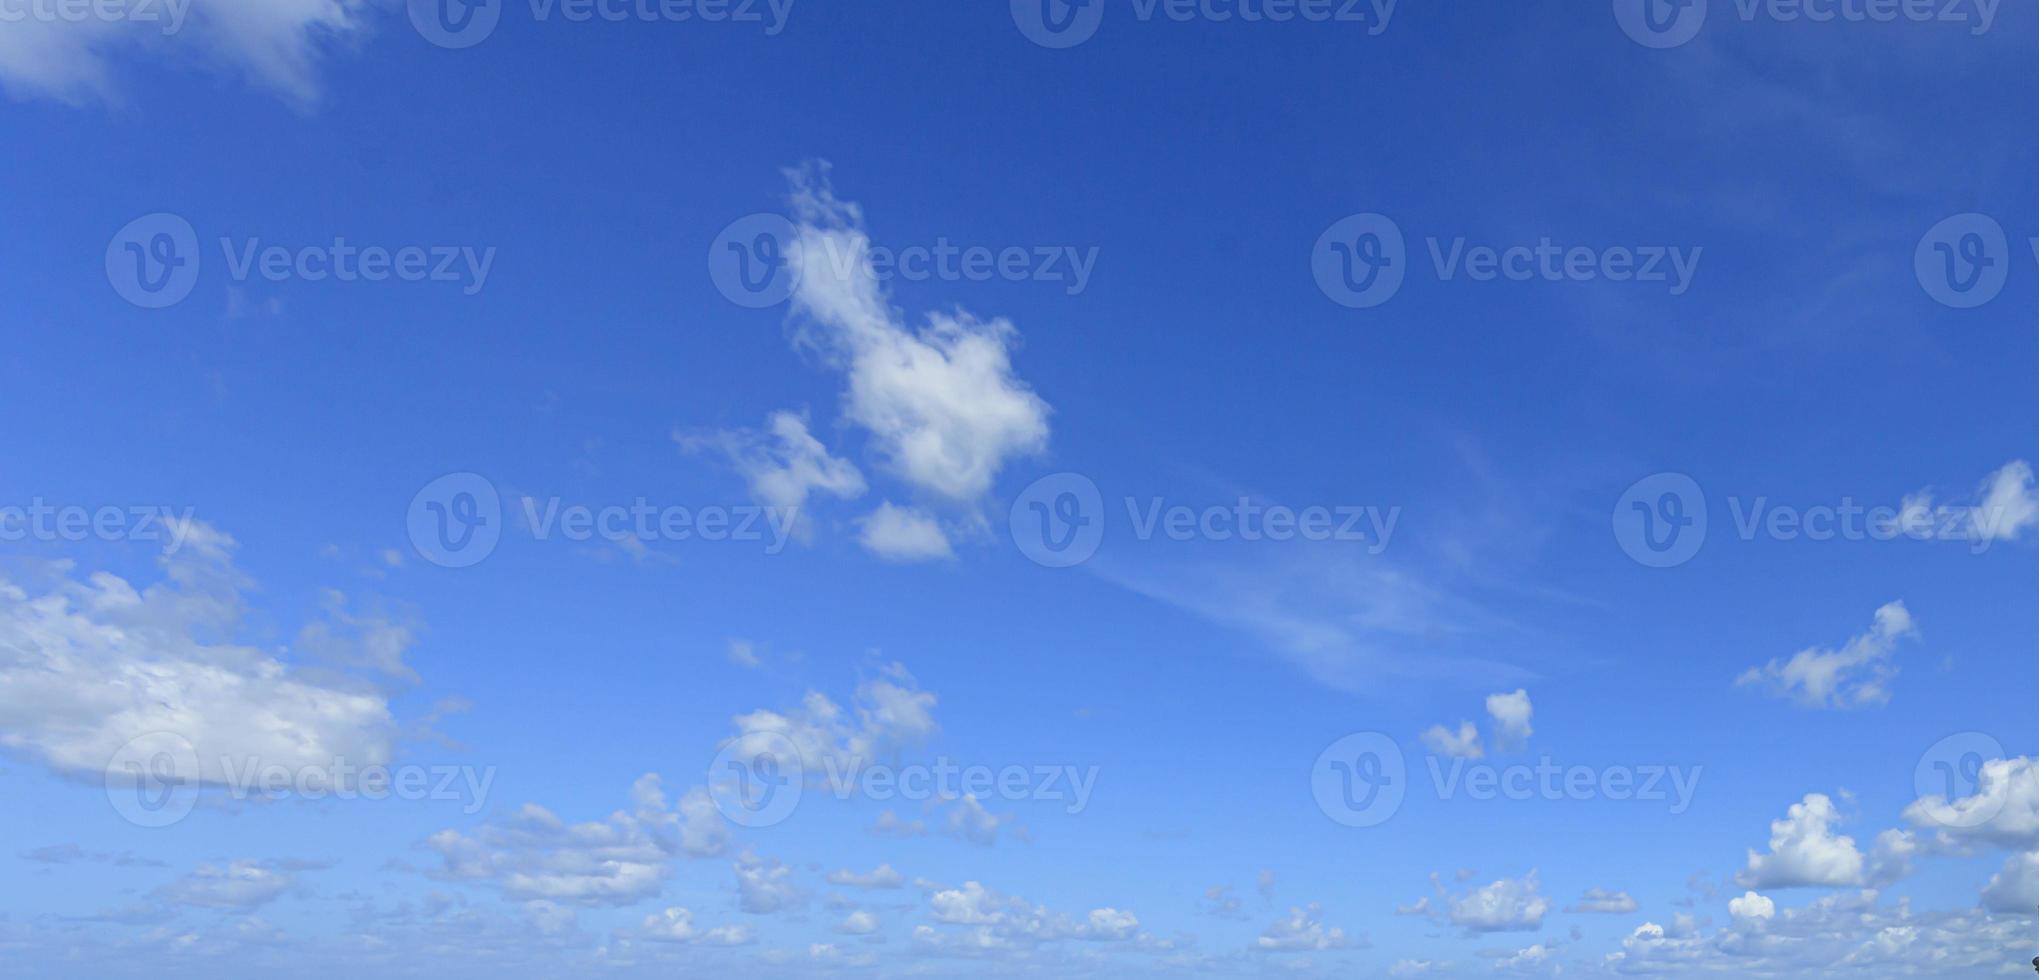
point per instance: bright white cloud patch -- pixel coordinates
(87, 666)
(1805, 852)
(1461, 744)
(904, 534)
(1751, 907)
(1511, 714)
(1507, 905)
(941, 402)
(783, 465)
(1857, 675)
(1301, 929)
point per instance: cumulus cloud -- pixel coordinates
(889, 712)
(880, 877)
(89, 666)
(1857, 675)
(765, 886)
(276, 44)
(1506, 905)
(2002, 812)
(1511, 714)
(991, 922)
(1301, 929)
(904, 534)
(676, 925)
(941, 402)
(1805, 852)
(1751, 907)
(620, 861)
(1462, 744)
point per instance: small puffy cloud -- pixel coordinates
(1604, 902)
(880, 877)
(1302, 929)
(764, 886)
(1857, 675)
(1805, 852)
(858, 923)
(889, 712)
(1506, 905)
(676, 925)
(904, 535)
(1462, 744)
(941, 402)
(1751, 907)
(1511, 714)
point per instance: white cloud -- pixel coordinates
(2003, 811)
(1301, 929)
(858, 923)
(764, 886)
(238, 885)
(1857, 675)
(1751, 907)
(890, 712)
(904, 534)
(676, 925)
(619, 861)
(993, 922)
(941, 403)
(1463, 744)
(1605, 902)
(784, 465)
(1805, 852)
(2015, 888)
(276, 44)
(1511, 714)
(1506, 905)
(2007, 505)
(880, 877)
(88, 666)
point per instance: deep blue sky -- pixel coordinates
(1199, 162)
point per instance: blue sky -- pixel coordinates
(1065, 446)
